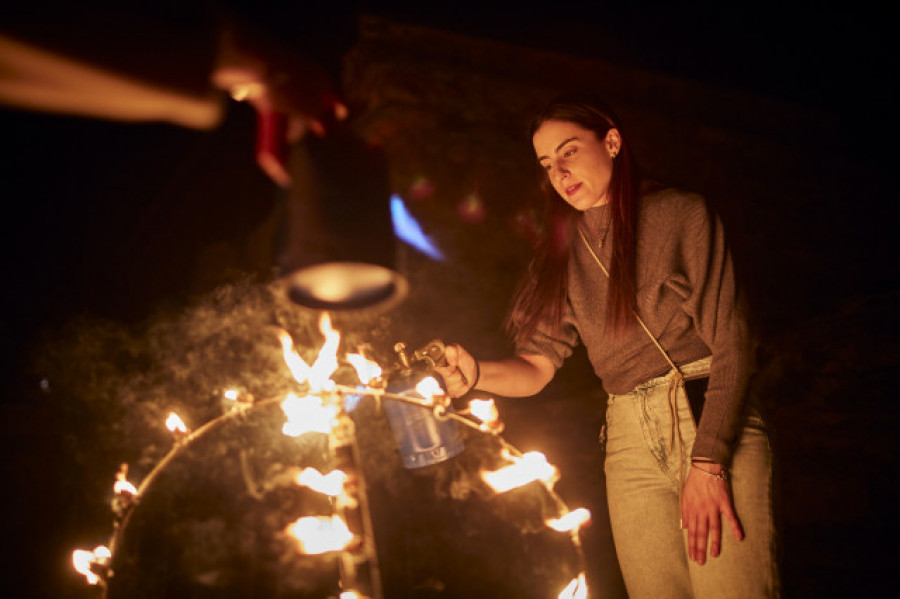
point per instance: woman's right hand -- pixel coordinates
(459, 370)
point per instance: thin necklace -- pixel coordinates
(602, 241)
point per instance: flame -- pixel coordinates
(319, 374)
(326, 362)
(299, 369)
(232, 394)
(408, 229)
(530, 467)
(318, 534)
(175, 424)
(429, 387)
(349, 595)
(571, 521)
(122, 485)
(485, 410)
(82, 560)
(310, 414)
(577, 589)
(366, 369)
(331, 484)
(307, 414)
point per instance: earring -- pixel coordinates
(613, 154)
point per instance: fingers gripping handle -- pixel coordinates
(430, 355)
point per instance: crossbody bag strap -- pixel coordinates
(674, 384)
(636, 315)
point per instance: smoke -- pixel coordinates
(111, 385)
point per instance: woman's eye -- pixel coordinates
(546, 167)
(568, 152)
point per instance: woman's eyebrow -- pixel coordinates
(561, 144)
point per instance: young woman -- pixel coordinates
(642, 276)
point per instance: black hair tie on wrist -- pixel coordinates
(477, 375)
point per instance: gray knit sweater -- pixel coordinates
(687, 296)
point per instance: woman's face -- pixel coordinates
(578, 164)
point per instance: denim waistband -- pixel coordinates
(692, 370)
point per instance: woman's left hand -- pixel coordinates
(705, 500)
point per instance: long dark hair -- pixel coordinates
(541, 295)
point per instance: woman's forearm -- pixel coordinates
(519, 376)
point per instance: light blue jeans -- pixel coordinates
(643, 489)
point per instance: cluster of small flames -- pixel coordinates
(318, 411)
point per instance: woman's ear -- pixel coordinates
(613, 142)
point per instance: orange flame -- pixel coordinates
(485, 410)
(350, 595)
(326, 362)
(175, 424)
(298, 367)
(429, 387)
(318, 534)
(366, 369)
(577, 589)
(307, 414)
(530, 467)
(319, 374)
(122, 485)
(571, 521)
(331, 484)
(83, 560)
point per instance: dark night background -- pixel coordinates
(114, 224)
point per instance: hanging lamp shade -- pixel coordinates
(339, 250)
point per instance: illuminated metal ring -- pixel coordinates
(190, 440)
(132, 565)
(179, 446)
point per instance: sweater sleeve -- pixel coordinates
(555, 345)
(717, 309)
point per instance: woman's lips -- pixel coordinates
(571, 189)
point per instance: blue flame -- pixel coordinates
(408, 229)
(351, 401)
